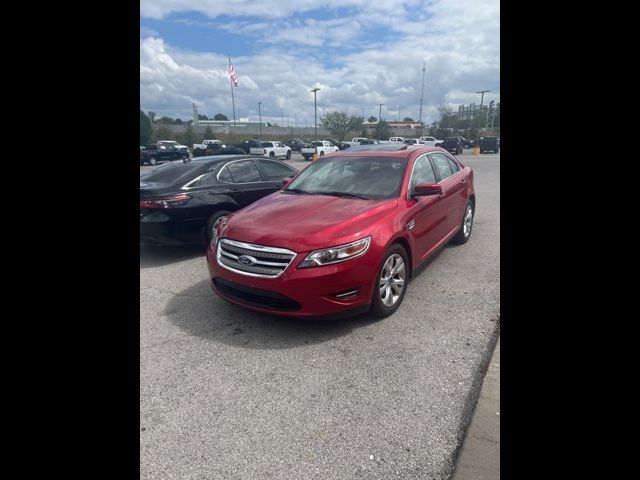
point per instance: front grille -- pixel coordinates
(254, 296)
(253, 260)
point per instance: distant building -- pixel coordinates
(395, 125)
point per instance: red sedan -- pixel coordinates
(344, 236)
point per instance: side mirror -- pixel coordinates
(424, 189)
(286, 181)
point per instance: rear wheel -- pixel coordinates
(272, 154)
(208, 232)
(153, 161)
(467, 224)
(390, 287)
(321, 154)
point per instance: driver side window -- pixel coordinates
(422, 172)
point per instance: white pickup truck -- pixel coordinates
(272, 149)
(432, 141)
(203, 145)
(321, 148)
(356, 141)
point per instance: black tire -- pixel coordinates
(288, 154)
(272, 154)
(321, 154)
(463, 234)
(208, 231)
(378, 308)
(153, 161)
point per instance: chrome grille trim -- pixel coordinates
(270, 262)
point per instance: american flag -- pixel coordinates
(232, 74)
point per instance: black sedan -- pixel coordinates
(180, 202)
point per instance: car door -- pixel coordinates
(453, 183)
(248, 184)
(425, 214)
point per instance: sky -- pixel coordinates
(359, 53)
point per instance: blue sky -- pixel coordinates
(358, 52)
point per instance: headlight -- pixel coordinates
(327, 256)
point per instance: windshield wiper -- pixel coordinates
(297, 190)
(343, 194)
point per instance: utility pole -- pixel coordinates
(481, 100)
(315, 111)
(422, 94)
(379, 120)
(260, 119)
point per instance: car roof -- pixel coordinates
(387, 150)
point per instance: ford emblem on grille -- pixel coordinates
(246, 260)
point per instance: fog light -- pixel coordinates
(348, 295)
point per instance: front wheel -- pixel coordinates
(272, 155)
(289, 155)
(467, 224)
(153, 161)
(390, 286)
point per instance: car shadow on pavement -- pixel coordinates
(199, 312)
(151, 256)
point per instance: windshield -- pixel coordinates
(365, 177)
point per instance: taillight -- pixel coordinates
(165, 202)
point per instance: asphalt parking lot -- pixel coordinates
(226, 393)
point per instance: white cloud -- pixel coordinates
(458, 40)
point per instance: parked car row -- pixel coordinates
(339, 238)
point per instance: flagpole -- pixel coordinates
(233, 102)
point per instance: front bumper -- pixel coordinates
(305, 292)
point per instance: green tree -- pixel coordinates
(202, 117)
(165, 121)
(162, 133)
(178, 121)
(208, 134)
(188, 137)
(383, 130)
(408, 119)
(145, 128)
(372, 119)
(152, 116)
(340, 124)
(220, 116)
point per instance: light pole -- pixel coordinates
(260, 119)
(481, 100)
(379, 120)
(315, 111)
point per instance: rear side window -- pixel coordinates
(441, 164)
(275, 170)
(243, 172)
(225, 176)
(267, 144)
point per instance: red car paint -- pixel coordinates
(303, 223)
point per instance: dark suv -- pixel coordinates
(295, 145)
(453, 145)
(489, 144)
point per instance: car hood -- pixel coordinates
(306, 222)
